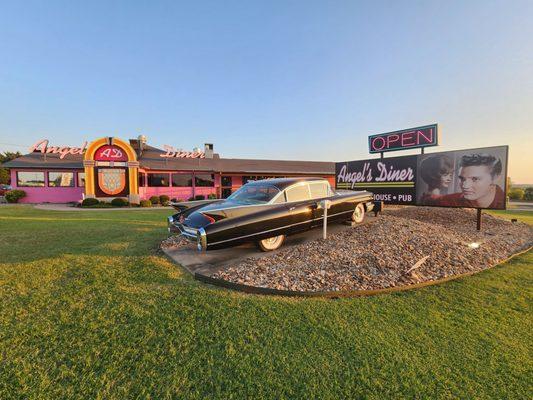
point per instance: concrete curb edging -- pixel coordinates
(339, 294)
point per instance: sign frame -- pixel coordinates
(420, 146)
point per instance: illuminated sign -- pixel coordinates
(42, 147)
(110, 153)
(423, 136)
(171, 152)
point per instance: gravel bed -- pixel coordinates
(174, 242)
(401, 247)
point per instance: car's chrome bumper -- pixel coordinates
(194, 235)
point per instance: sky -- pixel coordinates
(300, 80)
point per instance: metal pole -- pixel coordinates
(381, 155)
(325, 229)
(421, 150)
(478, 219)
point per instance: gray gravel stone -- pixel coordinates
(381, 253)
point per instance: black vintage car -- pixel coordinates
(265, 212)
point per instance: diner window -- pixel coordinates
(204, 180)
(182, 180)
(158, 180)
(61, 179)
(30, 179)
(141, 180)
(319, 190)
(226, 181)
(81, 179)
(245, 179)
(298, 193)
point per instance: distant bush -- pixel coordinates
(88, 202)
(119, 202)
(154, 200)
(145, 203)
(528, 194)
(211, 196)
(164, 199)
(199, 197)
(190, 199)
(13, 196)
(516, 194)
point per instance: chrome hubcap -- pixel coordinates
(357, 214)
(271, 242)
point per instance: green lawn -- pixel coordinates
(90, 309)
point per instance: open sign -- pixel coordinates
(413, 138)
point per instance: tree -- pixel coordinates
(4, 172)
(516, 194)
(528, 193)
(8, 156)
(4, 176)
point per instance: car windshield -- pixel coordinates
(254, 194)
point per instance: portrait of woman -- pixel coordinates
(437, 172)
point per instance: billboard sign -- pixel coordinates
(414, 138)
(474, 178)
(392, 180)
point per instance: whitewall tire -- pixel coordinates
(272, 243)
(359, 214)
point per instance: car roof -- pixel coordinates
(282, 183)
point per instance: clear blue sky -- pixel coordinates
(272, 79)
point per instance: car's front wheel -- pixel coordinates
(272, 243)
(359, 214)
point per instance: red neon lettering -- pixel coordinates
(392, 139)
(407, 136)
(429, 138)
(374, 147)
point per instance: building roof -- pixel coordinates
(40, 160)
(150, 159)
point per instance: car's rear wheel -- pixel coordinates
(359, 214)
(272, 243)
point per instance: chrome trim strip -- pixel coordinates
(275, 229)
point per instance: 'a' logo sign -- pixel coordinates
(112, 180)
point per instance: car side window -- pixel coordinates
(319, 190)
(298, 193)
(280, 199)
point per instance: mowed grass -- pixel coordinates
(90, 309)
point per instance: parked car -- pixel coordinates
(265, 212)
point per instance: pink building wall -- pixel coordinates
(73, 194)
(180, 193)
(48, 194)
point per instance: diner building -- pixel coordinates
(110, 167)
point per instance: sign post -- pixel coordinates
(478, 226)
(325, 204)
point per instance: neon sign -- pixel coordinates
(63, 151)
(413, 138)
(110, 153)
(171, 152)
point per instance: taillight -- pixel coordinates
(210, 218)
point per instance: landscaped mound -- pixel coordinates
(402, 247)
